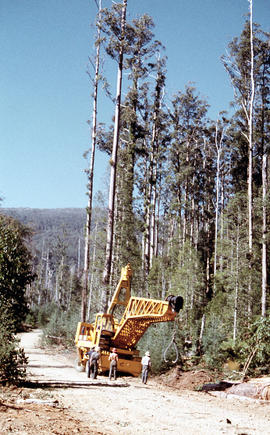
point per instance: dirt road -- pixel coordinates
(129, 407)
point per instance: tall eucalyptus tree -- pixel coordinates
(116, 47)
(133, 132)
(187, 159)
(247, 67)
(153, 167)
(96, 80)
(262, 130)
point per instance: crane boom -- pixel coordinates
(140, 313)
(109, 331)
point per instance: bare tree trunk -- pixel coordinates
(150, 206)
(222, 225)
(236, 287)
(150, 201)
(264, 203)
(47, 271)
(56, 292)
(110, 224)
(250, 158)
(91, 277)
(41, 273)
(117, 238)
(60, 292)
(79, 257)
(185, 211)
(202, 329)
(91, 174)
(153, 220)
(218, 149)
(264, 234)
(145, 236)
(192, 214)
(71, 277)
(157, 228)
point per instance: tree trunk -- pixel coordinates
(91, 277)
(150, 201)
(156, 250)
(264, 196)
(79, 257)
(91, 175)
(250, 159)
(264, 233)
(218, 149)
(110, 224)
(221, 224)
(153, 218)
(235, 316)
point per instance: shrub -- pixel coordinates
(213, 338)
(15, 268)
(12, 358)
(62, 325)
(41, 314)
(256, 352)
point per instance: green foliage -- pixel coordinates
(232, 354)
(187, 281)
(252, 348)
(62, 325)
(39, 315)
(158, 278)
(15, 268)
(31, 319)
(214, 337)
(12, 358)
(257, 344)
(15, 275)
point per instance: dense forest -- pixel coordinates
(188, 200)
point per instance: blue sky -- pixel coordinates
(46, 94)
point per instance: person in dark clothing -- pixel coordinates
(89, 353)
(94, 360)
(113, 358)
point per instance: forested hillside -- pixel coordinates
(51, 227)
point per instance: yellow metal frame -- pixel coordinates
(122, 293)
(139, 314)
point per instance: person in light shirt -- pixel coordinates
(146, 365)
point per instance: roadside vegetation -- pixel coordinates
(15, 275)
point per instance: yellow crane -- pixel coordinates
(108, 332)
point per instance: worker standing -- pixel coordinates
(89, 353)
(146, 365)
(94, 360)
(113, 358)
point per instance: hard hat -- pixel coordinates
(147, 353)
(114, 349)
(97, 348)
